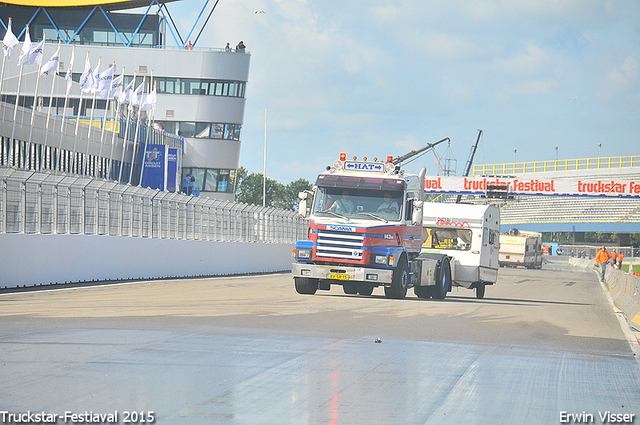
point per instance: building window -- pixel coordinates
(202, 130)
(211, 180)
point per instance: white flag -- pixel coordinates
(149, 101)
(9, 41)
(86, 79)
(105, 82)
(136, 95)
(69, 74)
(124, 95)
(95, 77)
(26, 47)
(35, 54)
(52, 65)
(116, 87)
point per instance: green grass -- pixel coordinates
(625, 267)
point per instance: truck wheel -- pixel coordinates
(443, 282)
(422, 291)
(305, 285)
(399, 283)
(364, 289)
(350, 288)
(480, 286)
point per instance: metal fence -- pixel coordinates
(44, 203)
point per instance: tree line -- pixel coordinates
(249, 190)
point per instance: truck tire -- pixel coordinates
(364, 289)
(350, 288)
(305, 285)
(399, 283)
(480, 287)
(443, 281)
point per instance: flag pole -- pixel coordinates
(46, 132)
(7, 52)
(75, 137)
(33, 109)
(15, 109)
(104, 118)
(135, 137)
(85, 161)
(144, 154)
(126, 132)
(64, 109)
(113, 135)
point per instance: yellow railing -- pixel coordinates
(555, 165)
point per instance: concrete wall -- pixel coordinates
(27, 260)
(623, 287)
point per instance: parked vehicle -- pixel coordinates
(521, 248)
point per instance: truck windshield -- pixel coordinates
(364, 204)
(438, 238)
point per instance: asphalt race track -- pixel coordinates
(542, 346)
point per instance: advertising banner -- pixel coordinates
(535, 187)
(153, 162)
(171, 176)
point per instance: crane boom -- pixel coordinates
(400, 159)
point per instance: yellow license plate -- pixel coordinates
(338, 276)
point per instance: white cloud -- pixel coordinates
(621, 81)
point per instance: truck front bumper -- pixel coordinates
(344, 273)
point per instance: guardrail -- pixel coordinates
(44, 203)
(555, 165)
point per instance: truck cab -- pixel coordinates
(365, 228)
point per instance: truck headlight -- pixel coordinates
(381, 260)
(304, 253)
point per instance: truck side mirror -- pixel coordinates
(416, 216)
(302, 207)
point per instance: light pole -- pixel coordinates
(600, 152)
(556, 153)
(264, 175)
(515, 157)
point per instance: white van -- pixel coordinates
(470, 234)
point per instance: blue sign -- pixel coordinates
(153, 172)
(172, 169)
(364, 166)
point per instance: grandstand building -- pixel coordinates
(201, 91)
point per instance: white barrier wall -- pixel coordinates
(33, 259)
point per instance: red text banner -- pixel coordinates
(535, 187)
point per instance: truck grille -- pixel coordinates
(345, 246)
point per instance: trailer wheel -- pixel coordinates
(443, 282)
(480, 287)
(350, 288)
(305, 285)
(364, 289)
(422, 291)
(399, 283)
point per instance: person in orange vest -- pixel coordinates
(614, 257)
(601, 258)
(620, 257)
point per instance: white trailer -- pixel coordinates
(470, 235)
(521, 248)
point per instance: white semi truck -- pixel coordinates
(470, 236)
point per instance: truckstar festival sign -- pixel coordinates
(536, 187)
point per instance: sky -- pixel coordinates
(377, 78)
